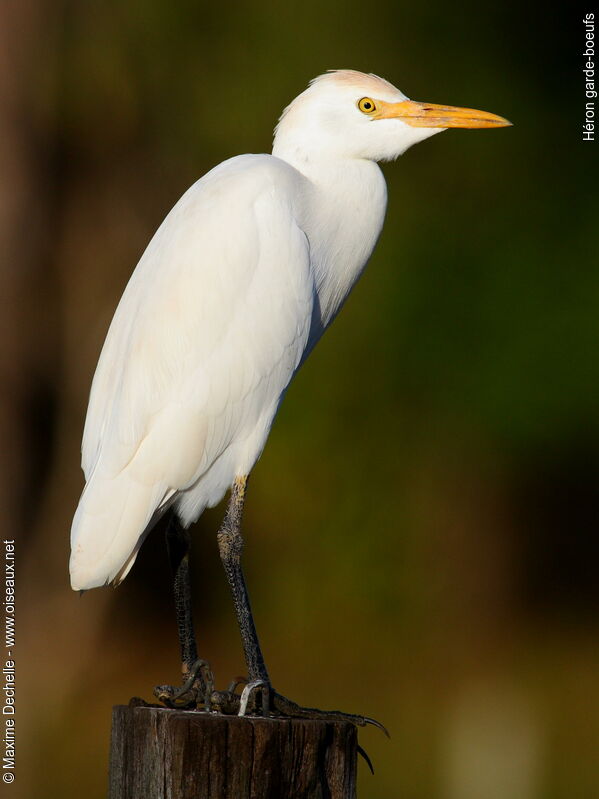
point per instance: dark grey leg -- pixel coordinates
(258, 695)
(230, 546)
(198, 680)
(178, 544)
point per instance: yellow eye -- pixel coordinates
(366, 105)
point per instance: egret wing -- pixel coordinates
(207, 336)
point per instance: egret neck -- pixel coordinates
(342, 214)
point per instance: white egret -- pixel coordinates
(234, 290)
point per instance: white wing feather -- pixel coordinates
(207, 336)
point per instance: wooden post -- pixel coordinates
(157, 753)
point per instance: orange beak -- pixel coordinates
(429, 115)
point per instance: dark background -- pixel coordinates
(422, 527)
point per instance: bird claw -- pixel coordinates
(251, 689)
(197, 688)
(257, 698)
(274, 704)
(286, 707)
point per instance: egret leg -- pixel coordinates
(230, 546)
(178, 543)
(197, 677)
(258, 694)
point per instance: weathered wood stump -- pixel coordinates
(157, 753)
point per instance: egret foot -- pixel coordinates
(285, 707)
(196, 691)
(259, 698)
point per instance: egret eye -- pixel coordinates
(366, 105)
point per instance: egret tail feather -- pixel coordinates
(111, 522)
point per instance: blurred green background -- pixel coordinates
(422, 527)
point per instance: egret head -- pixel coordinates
(348, 114)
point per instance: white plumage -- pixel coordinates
(234, 289)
